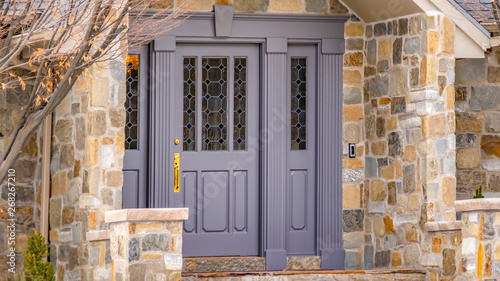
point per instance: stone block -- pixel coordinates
(490, 145)
(379, 148)
(91, 152)
(352, 95)
(395, 144)
(433, 43)
(466, 140)
(352, 77)
(114, 178)
(316, 6)
(448, 191)
(433, 126)
(371, 167)
(397, 49)
(382, 258)
(64, 130)
(352, 113)
(409, 178)
(447, 36)
(351, 133)
(59, 183)
(354, 29)
(428, 70)
(99, 92)
(155, 242)
(470, 246)
(350, 197)
(352, 175)
(412, 45)
(398, 84)
(107, 157)
(403, 26)
(398, 105)
(352, 220)
(353, 240)
(380, 29)
(470, 71)
(484, 98)
(371, 52)
(352, 260)
(492, 122)
(423, 95)
(354, 44)
(378, 190)
(411, 255)
(368, 257)
(385, 48)
(251, 6)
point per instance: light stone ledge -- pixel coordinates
(97, 235)
(477, 204)
(154, 214)
(443, 226)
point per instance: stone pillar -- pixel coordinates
(146, 244)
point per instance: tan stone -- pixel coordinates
(63, 108)
(379, 147)
(412, 235)
(97, 122)
(152, 256)
(114, 178)
(117, 117)
(450, 97)
(467, 158)
(497, 250)
(84, 104)
(352, 77)
(120, 143)
(91, 152)
(436, 244)
(289, 6)
(378, 190)
(399, 169)
(388, 172)
(389, 225)
(21, 243)
(80, 86)
(385, 48)
(378, 226)
(350, 197)
(470, 125)
(432, 41)
(433, 126)
(59, 184)
(99, 92)
(64, 130)
(396, 259)
(93, 180)
(156, 214)
(150, 226)
(353, 59)
(447, 36)
(54, 235)
(410, 153)
(198, 5)
(355, 163)
(414, 202)
(428, 70)
(352, 113)
(391, 123)
(448, 191)
(354, 29)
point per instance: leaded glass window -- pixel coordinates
(189, 101)
(298, 103)
(240, 103)
(214, 103)
(132, 103)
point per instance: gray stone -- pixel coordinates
(391, 193)
(352, 260)
(380, 29)
(251, 6)
(3, 236)
(369, 31)
(441, 83)
(491, 166)
(134, 250)
(371, 167)
(94, 256)
(382, 66)
(423, 95)
(466, 140)
(25, 170)
(368, 256)
(352, 220)
(493, 74)
(395, 27)
(371, 52)
(460, 93)
(390, 241)
(415, 25)
(403, 26)
(80, 132)
(411, 255)
(395, 144)
(398, 105)
(408, 178)
(316, 6)
(468, 181)
(488, 226)
(335, 7)
(484, 98)
(412, 45)
(353, 240)
(155, 242)
(352, 175)
(370, 71)
(397, 51)
(98, 122)
(138, 271)
(492, 122)
(354, 44)
(470, 71)
(443, 64)
(23, 194)
(6, 125)
(382, 162)
(376, 208)
(55, 210)
(67, 156)
(414, 77)
(380, 126)
(378, 86)
(73, 258)
(382, 258)
(389, 28)
(352, 96)
(370, 127)
(351, 133)
(493, 183)
(64, 130)
(441, 146)
(76, 231)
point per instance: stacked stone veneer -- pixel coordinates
(27, 177)
(399, 111)
(86, 171)
(478, 124)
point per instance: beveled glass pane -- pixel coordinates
(298, 103)
(189, 104)
(240, 104)
(214, 103)
(132, 102)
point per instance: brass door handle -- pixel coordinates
(176, 172)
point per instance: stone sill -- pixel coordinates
(471, 205)
(304, 272)
(97, 235)
(443, 226)
(153, 214)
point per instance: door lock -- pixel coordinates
(176, 141)
(176, 172)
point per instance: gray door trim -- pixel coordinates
(269, 30)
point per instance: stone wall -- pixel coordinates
(27, 176)
(478, 125)
(399, 111)
(86, 176)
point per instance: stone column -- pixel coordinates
(146, 244)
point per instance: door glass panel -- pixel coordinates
(214, 103)
(298, 103)
(132, 103)
(240, 103)
(189, 101)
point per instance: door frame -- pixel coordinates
(273, 32)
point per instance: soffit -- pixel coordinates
(379, 10)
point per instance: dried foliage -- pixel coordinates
(47, 45)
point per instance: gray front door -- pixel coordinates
(216, 122)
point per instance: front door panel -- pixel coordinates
(216, 113)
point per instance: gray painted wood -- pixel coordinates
(274, 155)
(220, 187)
(135, 164)
(301, 164)
(330, 161)
(160, 156)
